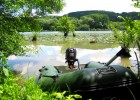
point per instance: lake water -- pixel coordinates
(55, 56)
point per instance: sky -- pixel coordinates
(117, 6)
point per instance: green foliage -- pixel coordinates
(10, 40)
(117, 25)
(136, 3)
(27, 24)
(69, 24)
(3, 70)
(84, 27)
(16, 88)
(112, 15)
(96, 21)
(76, 22)
(65, 25)
(17, 15)
(63, 96)
(86, 21)
(25, 7)
(48, 22)
(130, 34)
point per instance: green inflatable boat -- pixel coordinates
(92, 80)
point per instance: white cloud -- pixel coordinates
(108, 5)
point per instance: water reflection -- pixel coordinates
(52, 55)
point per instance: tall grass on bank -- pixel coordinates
(15, 88)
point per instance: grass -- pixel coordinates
(16, 88)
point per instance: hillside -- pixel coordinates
(112, 15)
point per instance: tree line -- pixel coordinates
(112, 15)
(88, 20)
(85, 23)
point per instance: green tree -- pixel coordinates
(47, 22)
(84, 27)
(87, 20)
(95, 21)
(76, 22)
(136, 3)
(137, 24)
(126, 37)
(118, 25)
(19, 15)
(65, 25)
(130, 34)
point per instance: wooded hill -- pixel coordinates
(112, 15)
(87, 20)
